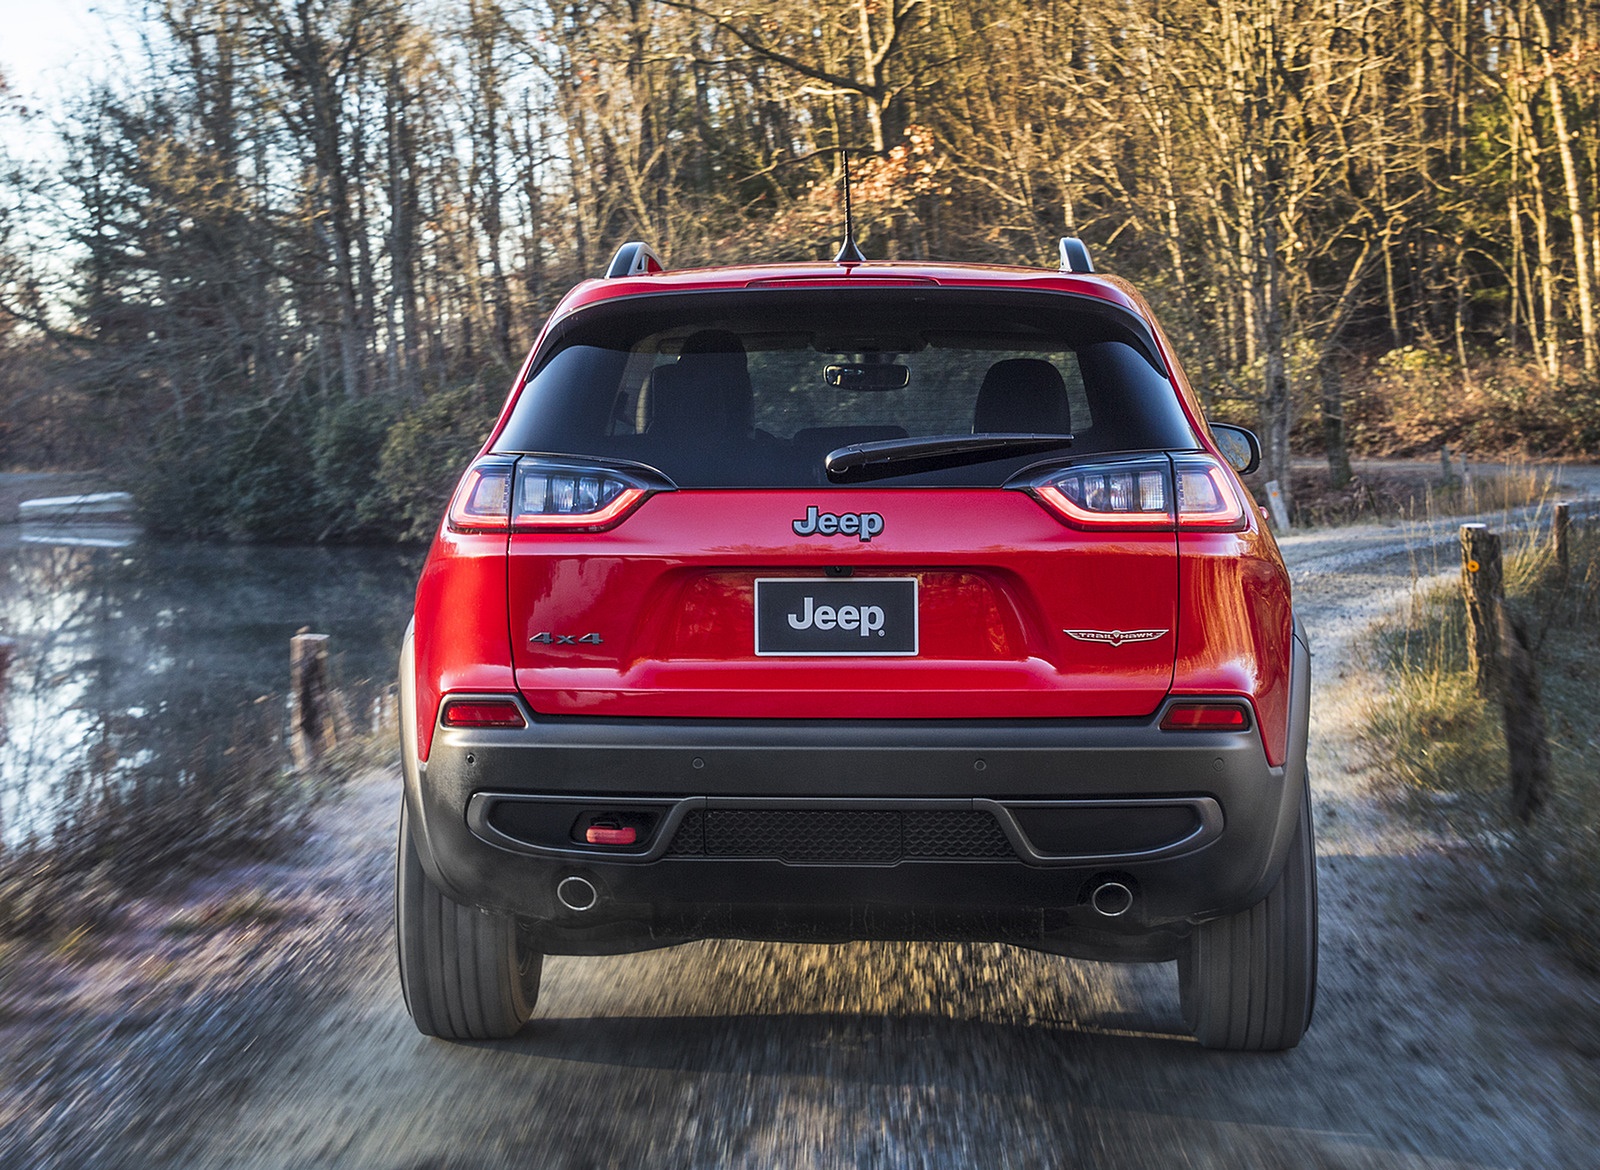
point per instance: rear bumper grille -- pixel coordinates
(860, 836)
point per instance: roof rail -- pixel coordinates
(1075, 256)
(635, 258)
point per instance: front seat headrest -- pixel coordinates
(1023, 395)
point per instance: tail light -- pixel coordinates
(1206, 496)
(1131, 494)
(543, 495)
(1152, 495)
(483, 499)
(553, 497)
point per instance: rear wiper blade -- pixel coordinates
(863, 461)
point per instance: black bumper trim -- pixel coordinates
(479, 809)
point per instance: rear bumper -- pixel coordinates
(829, 830)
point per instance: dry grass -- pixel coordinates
(1408, 493)
(1412, 401)
(242, 908)
(1446, 744)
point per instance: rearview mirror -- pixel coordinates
(1239, 447)
(891, 376)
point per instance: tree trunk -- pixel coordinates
(1576, 211)
(1333, 435)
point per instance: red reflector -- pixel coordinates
(610, 835)
(1204, 717)
(483, 713)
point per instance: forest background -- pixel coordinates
(283, 266)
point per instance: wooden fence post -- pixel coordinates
(311, 730)
(1481, 588)
(1527, 737)
(1280, 514)
(1559, 533)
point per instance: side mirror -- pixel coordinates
(1239, 447)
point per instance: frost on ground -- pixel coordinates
(277, 1038)
(119, 1041)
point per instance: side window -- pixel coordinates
(1082, 416)
(630, 413)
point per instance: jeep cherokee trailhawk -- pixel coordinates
(818, 602)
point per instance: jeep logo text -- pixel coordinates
(863, 525)
(864, 619)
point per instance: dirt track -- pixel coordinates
(1442, 1038)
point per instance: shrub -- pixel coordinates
(346, 446)
(1412, 401)
(423, 456)
(309, 470)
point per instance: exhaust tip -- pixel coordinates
(576, 894)
(1111, 899)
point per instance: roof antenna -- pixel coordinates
(849, 253)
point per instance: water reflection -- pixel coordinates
(128, 657)
(81, 535)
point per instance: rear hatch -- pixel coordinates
(939, 503)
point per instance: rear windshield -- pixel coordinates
(754, 389)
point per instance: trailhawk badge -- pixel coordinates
(1115, 637)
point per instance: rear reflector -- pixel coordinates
(1205, 717)
(482, 713)
(611, 835)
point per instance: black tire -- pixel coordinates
(467, 974)
(1248, 982)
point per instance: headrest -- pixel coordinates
(706, 391)
(711, 341)
(1025, 395)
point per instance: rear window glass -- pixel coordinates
(754, 389)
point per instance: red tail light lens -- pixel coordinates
(1205, 717)
(540, 495)
(483, 500)
(553, 497)
(1151, 495)
(1206, 498)
(483, 713)
(1134, 494)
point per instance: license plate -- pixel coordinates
(874, 616)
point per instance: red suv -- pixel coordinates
(819, 602)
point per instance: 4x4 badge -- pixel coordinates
(1114, 637)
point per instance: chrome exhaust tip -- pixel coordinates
(1111, 899)
(577, 894)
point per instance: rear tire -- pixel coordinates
(1248, 982)
(467, 974)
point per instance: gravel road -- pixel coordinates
(1443, 1038)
